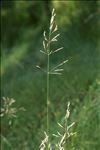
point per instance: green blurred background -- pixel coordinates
(22, 26)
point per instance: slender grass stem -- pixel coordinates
(48, 61)
(48, 81)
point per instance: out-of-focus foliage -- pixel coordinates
(18, 16)
(82, 15)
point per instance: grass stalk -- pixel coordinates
(48, 80)
(48, 84)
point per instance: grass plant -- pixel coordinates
(57, 70)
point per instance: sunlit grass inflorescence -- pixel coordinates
(8, 110)
(44, 144)
(48, 40)
(62, 135)
(65, 130)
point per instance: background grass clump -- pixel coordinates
(22, 36)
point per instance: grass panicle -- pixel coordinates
(63, 133)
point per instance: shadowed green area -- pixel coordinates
(22, 36)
